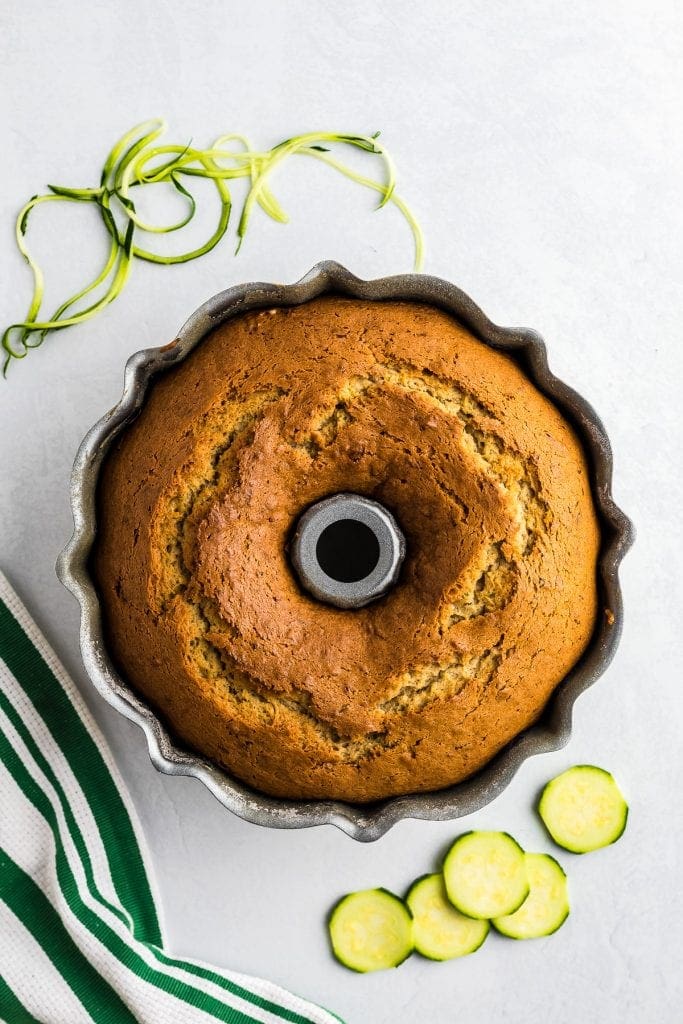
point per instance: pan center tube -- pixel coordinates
(347, 550)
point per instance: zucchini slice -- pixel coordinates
(583, 809)
(485, 874)
(441, 932)
(546, 907)
(371, 930)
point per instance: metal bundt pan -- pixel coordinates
(363, 822)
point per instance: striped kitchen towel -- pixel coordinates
(80, 937)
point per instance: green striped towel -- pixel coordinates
(80, 937)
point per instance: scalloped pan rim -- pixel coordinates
(362, 822)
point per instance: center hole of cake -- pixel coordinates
(347, 550)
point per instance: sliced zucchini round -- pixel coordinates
(485, 874)
(441, 932)
(583, 809)
(546, 907)
(371, 930)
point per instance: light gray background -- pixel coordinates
(540, 144)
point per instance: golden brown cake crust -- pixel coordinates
(280, 408)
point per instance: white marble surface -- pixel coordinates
(540, 143)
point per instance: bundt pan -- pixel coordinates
(363, 822)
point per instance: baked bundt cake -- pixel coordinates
(206, 618)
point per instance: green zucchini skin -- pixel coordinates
(360, 921)
(487, 880)
(546, 908)
(583, 809)
(485, 874)
(434, 917)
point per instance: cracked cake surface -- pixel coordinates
(277, 409)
